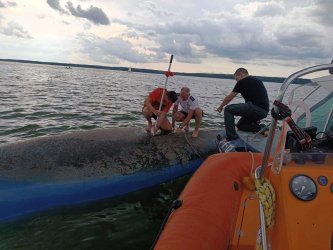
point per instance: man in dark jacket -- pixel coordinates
(254, 109)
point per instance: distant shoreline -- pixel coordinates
(152, 71)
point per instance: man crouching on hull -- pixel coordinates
(254, 109)
(151, 109)
(190, 110)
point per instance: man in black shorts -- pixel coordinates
(254, 109)
(190, 110)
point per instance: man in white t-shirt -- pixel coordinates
(189, 110)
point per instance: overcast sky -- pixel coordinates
(272, 38)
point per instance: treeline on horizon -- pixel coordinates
(152, 71)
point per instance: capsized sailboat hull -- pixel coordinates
(83, 166)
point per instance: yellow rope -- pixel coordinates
(266, 195)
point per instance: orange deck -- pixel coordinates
(218, 212)
(303, 224)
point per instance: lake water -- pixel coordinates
(41, 100)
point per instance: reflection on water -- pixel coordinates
(130, 222)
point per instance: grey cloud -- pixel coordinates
(269, 9)
(175, 38)
(5, 4)
(163, 10)
(185, 37)
(151, 33)
(65, 22)
(151, 8)
(131, 34)
(14, 29)
(231, 36)
(182, 38)
(182, 46)
(11, 4)
(303, 43)
(110, 50)
(322, 12)
(55, 4)
(235, 39)
(250, 41)
(136, 26)
(94, 14)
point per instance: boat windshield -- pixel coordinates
(312, 110)
(316, 110)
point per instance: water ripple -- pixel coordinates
(37, 100)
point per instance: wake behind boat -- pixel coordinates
(280, 200)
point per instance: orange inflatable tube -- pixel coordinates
(211, 199)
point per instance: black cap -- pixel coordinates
(172, 95)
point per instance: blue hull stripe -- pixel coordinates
(18, 199)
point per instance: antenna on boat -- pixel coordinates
(331, 69)
(167, 74)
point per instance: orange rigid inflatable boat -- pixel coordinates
(211, 200)
(280, 200)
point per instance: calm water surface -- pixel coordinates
(41, 100)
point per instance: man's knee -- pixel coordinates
(178, 116)
(227, 108)
(228, 111)
(198, 112)
(242, 126)
(230, 108)
(146, 112)
(248, 126)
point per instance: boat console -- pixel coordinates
(317, 153)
